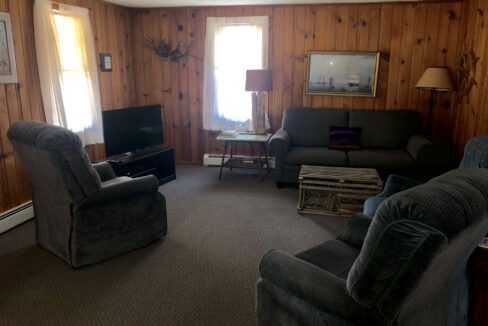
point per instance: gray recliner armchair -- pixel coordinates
(405, 266)
(84, 213)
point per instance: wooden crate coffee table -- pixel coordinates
(336, 191)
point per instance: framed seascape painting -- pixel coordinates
(342, 73)
(8, 69)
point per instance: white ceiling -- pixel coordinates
(195, 3)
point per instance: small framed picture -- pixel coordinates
(342, 73)
(105, 62)
(8, 69)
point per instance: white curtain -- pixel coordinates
(68, 69)
(232, 46)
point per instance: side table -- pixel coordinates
(260, 140)
(478, 270)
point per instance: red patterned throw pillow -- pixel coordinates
(345, 138)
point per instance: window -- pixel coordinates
(74, 75)
(68, 69)
(233, 45)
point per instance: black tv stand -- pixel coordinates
(159, 162)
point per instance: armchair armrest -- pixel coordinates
(355, 230)
(429, 153)
(122, 190)
(104, 170)
(394, 184)
(310, 283)
(279, 145)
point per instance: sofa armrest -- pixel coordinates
(355, 230)
(429, 153)
(279, 145)
(104, 170)
(416, 144)
(310, 283)
(122, 190)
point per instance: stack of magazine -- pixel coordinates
(229, 133)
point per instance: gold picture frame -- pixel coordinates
(342, 73)
(8, 68)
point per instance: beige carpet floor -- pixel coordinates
(202, 273)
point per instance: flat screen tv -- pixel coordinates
(132, 129)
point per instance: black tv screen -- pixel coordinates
(131, 129)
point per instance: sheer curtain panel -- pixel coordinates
(68, 69)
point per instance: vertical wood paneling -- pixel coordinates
(409, 36)
(405, 58)
(298, 55)
(288, 59)
(330, 41)
(471, 116)
(18, 101)
(277, 64)
(309, 44)
(110, 25)
(320, 39)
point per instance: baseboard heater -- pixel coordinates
(216, 159)
(16, 216)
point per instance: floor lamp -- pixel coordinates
(435, 79)
(259, 81)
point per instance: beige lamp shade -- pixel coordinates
(259, 80)
(436, 78)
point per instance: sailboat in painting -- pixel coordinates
(352, 78)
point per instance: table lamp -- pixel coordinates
(259, 81)
(435, 79)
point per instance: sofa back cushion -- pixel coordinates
(57, 154)
(385, 129)
(310, 127)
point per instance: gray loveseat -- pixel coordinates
(404, 266)
(391, 141)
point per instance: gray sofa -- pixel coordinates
(404, 266)
(85, 214)
(391, 141)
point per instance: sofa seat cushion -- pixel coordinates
(316, 156)
(381, 158)
(333, 256)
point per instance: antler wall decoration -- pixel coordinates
(164, 51)
(466, 74)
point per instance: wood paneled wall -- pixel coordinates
(18, 101)
(111, 26)
(410, 37)
(471, 114)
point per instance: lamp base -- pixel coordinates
(258, 113)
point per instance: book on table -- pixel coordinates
(229, 133)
